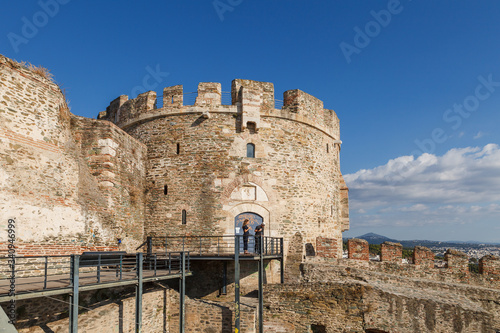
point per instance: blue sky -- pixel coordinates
(406, 78)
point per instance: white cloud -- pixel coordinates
(479, 134)
(462, 186)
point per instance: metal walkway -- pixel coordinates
(165, 258)
(38, 276)
(225, 248)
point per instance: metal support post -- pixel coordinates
(182, 293)
(224, 278)
(261, 286)
(73, 297)
(98, 268)
(236, 284)
(45, 272)
(149, 250)
(138, 294)
(282, 262)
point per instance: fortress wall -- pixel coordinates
(391, 252)
(423, 256)
(456, 303)
(456, 268)
(401, 270)
(117, 166)
(39, 172)
(113, 310)
(457, 261)
(358, 249)
(298, 180)
(250, 99)
(44, 181)
(327, 247)
(361, 307)
(490, 267)
(197, 161)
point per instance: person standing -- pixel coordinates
(246, 233)
(259, 232)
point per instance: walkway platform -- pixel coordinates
(38, 276)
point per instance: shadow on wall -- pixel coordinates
(310, 252)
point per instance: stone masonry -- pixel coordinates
(358, 249)
(71, 183)
(391, 252)
(198, 163)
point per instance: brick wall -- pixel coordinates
(358, 249)
(490, 267)
(423, 256)
(71, 182)
(113, 310)
(391, 252)
(327, 247)
(457, 261)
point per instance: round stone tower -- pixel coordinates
(209, 165)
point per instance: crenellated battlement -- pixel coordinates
(453, 268)
(251, 100)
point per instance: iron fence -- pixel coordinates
(189, 98)
(38, 273)
(212, 245)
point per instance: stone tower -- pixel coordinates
(209, 163)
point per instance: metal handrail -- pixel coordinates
(213, 245)
(189, 98)
(113, 267)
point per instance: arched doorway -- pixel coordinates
(255, 220)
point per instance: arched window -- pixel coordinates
(184, 216)
(250, 150)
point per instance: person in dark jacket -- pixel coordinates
(259, 232)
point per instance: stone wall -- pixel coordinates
(423, 256)
(327, 247)
(411, 302)
(47, 185)
(197, 161)
(457, 262)
(490, 267)
(355, 306)
(358, 249)
(117, 165)
(391, 252)
(113, 311)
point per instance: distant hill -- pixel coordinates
(373, 238)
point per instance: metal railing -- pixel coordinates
(211, 246)
(38, 273)
(189, 98)
(226, 98)
(278, 104)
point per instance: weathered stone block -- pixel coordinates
(358, 249)
(423, 256)
(391, 252)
